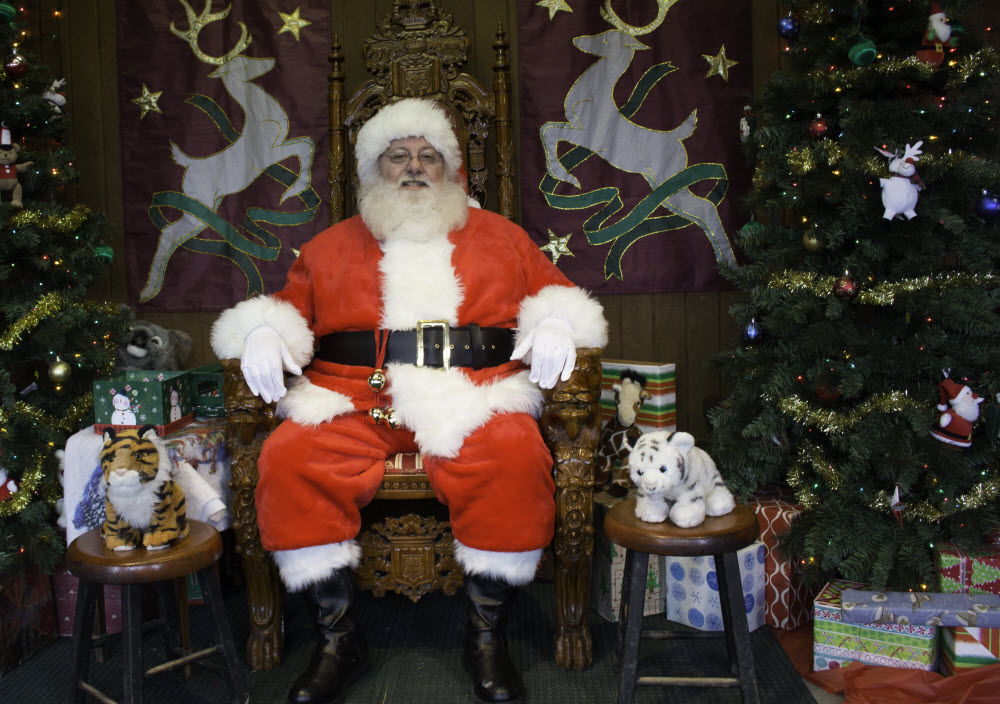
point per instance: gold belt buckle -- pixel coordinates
(445, 341)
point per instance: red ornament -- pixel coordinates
(818, 128)
(845, 288)
(16, 65)
(827, 392)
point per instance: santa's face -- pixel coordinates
(412, 163)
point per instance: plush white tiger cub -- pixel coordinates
(674, 477)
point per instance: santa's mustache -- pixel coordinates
(411, 181)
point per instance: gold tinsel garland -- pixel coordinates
(46, 306)
(25, 489)
(64, 224)
(984, 61)
(811, 455)
(882, 294)
(830, 422)
(74, 413)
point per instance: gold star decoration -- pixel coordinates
(554, 6)
(293, 23)
(147, 101)
(557, 246)
(719, 64)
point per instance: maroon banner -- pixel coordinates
(630, 138)
(224, 146)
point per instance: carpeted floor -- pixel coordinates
(415, 660)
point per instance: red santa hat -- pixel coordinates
(950, 391)
(936, 10)
(411, 117)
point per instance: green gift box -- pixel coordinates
(137, 397)
(206, 389)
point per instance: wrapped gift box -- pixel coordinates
(982, 610)
(27, 616)
(968, 573)
(836, 643)
(788, 604)
(137, 397)
(656, 413)
(608, 570)
(963, 648)
(693, 589)
(206, 391)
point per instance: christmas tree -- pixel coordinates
(866, 377)
(53, 340)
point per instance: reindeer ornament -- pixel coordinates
(901, 190)
(620, 434)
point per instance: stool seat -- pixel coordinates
(715, 536)
(89, 558)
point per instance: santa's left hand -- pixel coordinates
(550, 350)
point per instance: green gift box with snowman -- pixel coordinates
(137, 397)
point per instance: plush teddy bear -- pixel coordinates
(150, 346)
(674, 477)
(8, 169)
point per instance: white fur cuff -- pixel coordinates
(310, 404)
(517, 568)
(573, 305)
(304, 566)
(231, 328)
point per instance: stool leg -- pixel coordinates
(132, 643)
(235, 676)
(622, 618)
(636, 566)
(86, 593)
(166, 597)
(727, 568)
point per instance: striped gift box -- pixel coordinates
(964, 647)
(658, 412)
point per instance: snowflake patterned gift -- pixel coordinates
(693, 589)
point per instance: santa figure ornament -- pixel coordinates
(961, 409)
(8, 487)
(936, 38)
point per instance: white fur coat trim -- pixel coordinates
(418, 283)
(135, 504)
(231, 328)
(517, 568)
(571, 304)
(304, 566)
(310, 404)
(443, 408)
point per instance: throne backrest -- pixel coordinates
(417, 51)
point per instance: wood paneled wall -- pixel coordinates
(684, 328)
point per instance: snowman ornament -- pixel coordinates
(901, 190)
(961, 409)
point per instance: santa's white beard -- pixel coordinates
(942, 30)
(417, 214)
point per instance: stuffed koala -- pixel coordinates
(151, 347)
(673, 476)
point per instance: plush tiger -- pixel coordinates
(673, 476)
(143, 505)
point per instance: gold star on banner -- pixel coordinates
(147, 101)
(557, 246)
(554, 6)
(293, 23)
(719, 64)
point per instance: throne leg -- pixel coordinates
(574, 549)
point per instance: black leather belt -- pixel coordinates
(470, 346)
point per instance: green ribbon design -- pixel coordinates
(234, 245)
(638, 223)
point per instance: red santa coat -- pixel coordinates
(489, 273)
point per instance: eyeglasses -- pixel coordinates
(401, 158)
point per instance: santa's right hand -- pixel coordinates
(265, 355)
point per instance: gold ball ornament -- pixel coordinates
(813, 241)
(60, 371)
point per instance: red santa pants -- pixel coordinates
(315, 479)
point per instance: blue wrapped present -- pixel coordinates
(921, 608)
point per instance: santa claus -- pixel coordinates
(936, 38)
(961, 409)
(406, 327)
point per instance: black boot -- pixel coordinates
(484, 648)
(341, 655)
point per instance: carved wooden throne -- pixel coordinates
(407, 546)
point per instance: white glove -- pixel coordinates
(264, 353)
(550, 349)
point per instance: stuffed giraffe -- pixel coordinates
(620, 434)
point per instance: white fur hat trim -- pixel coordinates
(411, 117)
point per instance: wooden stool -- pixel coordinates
(720, 536)
(90, 560)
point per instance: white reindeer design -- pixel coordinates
(262, 143)
(595, 122)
